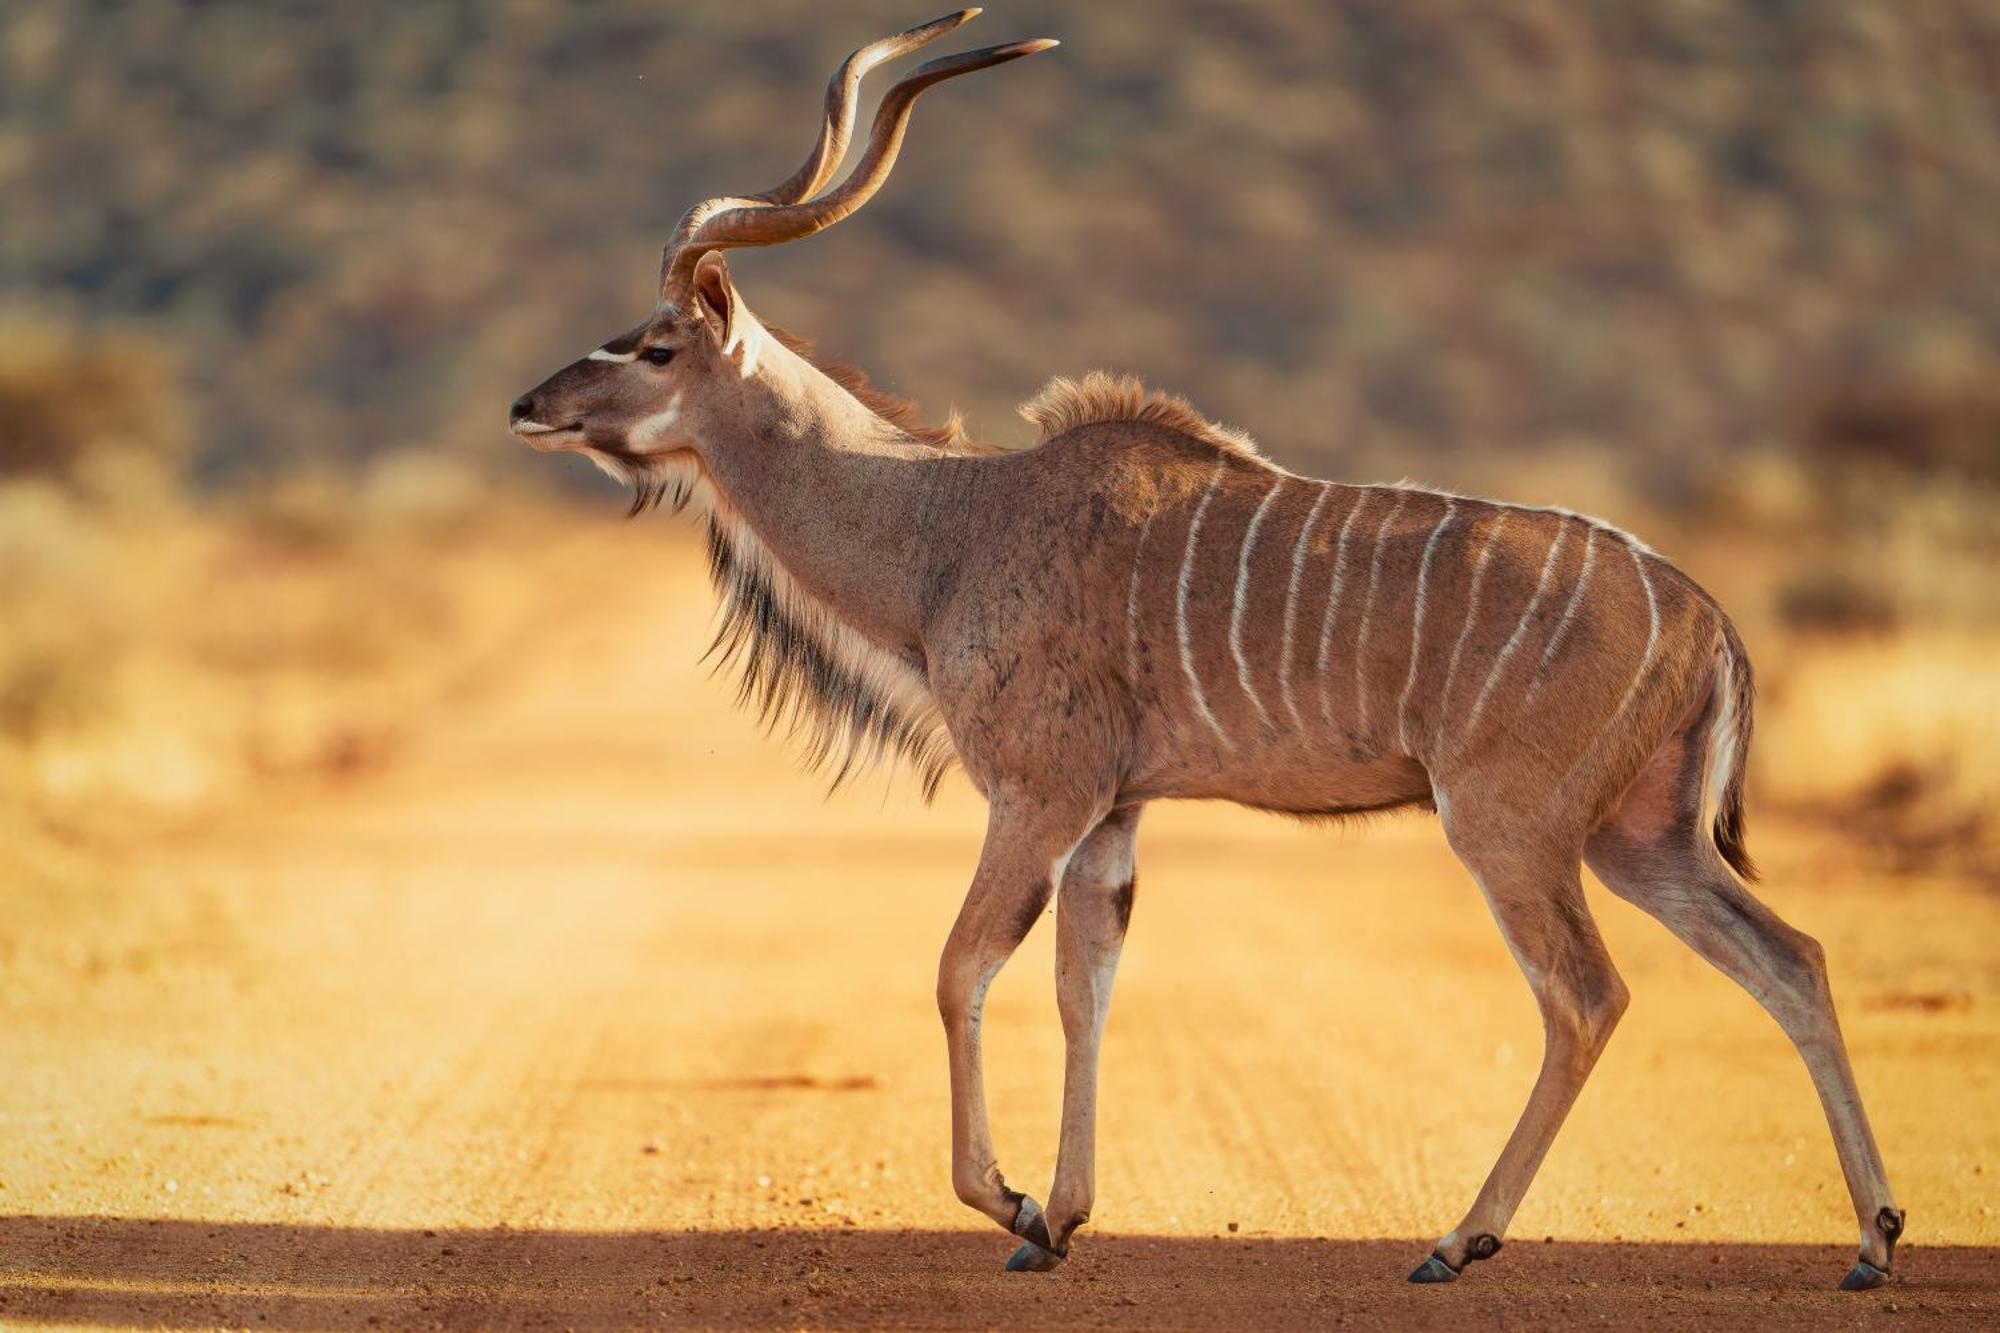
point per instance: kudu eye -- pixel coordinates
(658, 356)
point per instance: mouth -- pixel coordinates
(546, 437)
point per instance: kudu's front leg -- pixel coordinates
(1028, 845)
(1092, 910)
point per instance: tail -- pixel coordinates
(1729, 748)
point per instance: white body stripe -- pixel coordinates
(1333, 601)
(1569, 611)
(1132, 603)
(1472, 606)
(1368, 614)
(1417, 625)
(1292, 605)
(1652, 598)
(620, 358)
(1242, 595)
(1181, 605)
(1514, 639)
(1652, 630)
(1559, 511)
(1638, 676)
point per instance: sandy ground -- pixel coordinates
(588, 1009)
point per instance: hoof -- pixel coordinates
(1434, 1269)
(1864, 1276)
(1032, 1258)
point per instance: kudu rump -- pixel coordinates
(1142, 606)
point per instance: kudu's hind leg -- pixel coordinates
(1092, 910)
(1027, 846)
(1537, 899)
(1676, 875)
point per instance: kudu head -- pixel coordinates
(658, 391)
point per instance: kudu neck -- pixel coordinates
(844, 500)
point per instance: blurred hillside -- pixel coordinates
(1379, 236)
(270, 273)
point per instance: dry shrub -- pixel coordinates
(161, 650)
(1864, 571)
(1894, 739)
(98, 409)
(158, 667)
(1907, 423)
(1832, 599)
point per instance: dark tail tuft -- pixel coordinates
(1733, 726)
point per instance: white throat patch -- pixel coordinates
(652, 431)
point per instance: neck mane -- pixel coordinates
(808, 672)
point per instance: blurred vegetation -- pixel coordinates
(1729, 272)
(1372, 233)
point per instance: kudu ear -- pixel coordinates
(716, 295)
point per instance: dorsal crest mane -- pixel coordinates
(1065, 404)
(898, 411)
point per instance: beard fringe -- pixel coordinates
(649, 489)
(803, 670)
(671, 480)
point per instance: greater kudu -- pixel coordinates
(1142, 606)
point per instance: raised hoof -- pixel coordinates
(1864, 1276)
(1434, 1269)
(1032, 1258)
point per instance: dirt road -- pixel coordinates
(588, 1009)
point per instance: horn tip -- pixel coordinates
(937, 27)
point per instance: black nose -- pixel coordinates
(522, 408)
